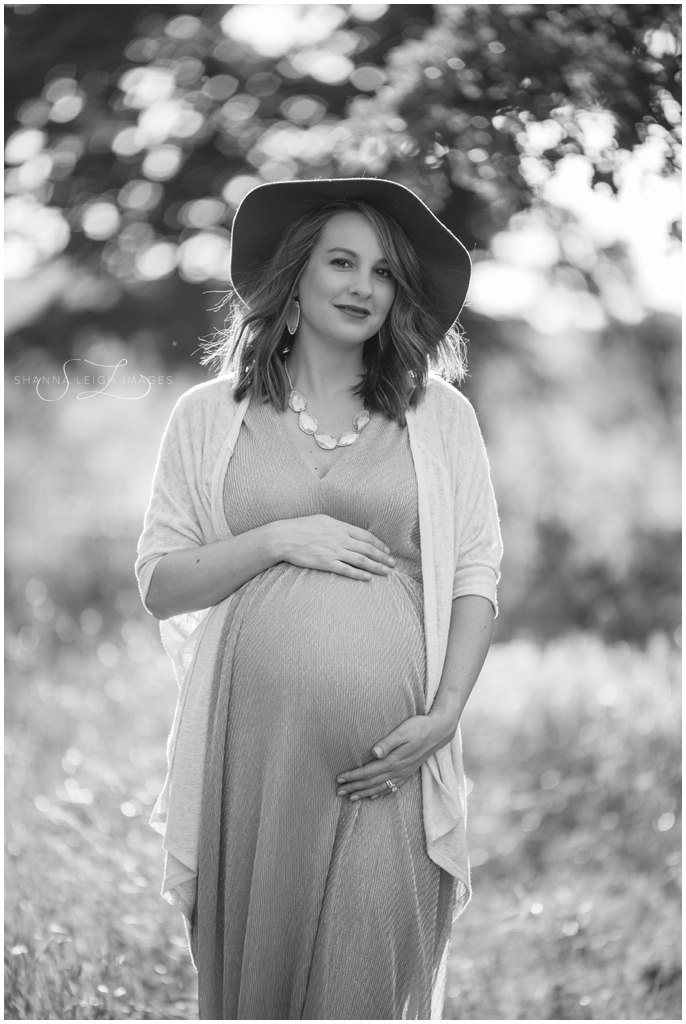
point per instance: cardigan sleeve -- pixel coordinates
(478, 541)
(171, 520)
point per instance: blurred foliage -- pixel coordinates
(584, 445)
(138, 165)
(494, 95)
(139, 132)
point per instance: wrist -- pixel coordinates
(274, 541)
(445, 720)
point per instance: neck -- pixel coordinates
(325, 373)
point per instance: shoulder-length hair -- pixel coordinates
(254, 342)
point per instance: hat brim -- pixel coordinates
(267, 210)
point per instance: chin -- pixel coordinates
(349, 334)
(361, 332)
(359, 339)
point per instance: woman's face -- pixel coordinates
(346, 289)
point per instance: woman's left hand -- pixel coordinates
(398, 756)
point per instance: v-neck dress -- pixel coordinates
(311, 906)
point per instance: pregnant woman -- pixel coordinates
(322, 549)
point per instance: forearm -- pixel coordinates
(199, 577)
(469, 638)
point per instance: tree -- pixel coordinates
(494, 95)
(140, 162)
(126, 115)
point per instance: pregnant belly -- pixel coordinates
(325, 662)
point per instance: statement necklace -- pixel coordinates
(308, 424)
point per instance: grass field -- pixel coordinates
(574, 752)
(573, 757)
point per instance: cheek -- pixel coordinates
(386, 298)
(320, 284)
(311, 289)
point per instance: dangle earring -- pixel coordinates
(384, 337)
(293, 316)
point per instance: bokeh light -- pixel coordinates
(274, 29)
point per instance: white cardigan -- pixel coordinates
(461, 550)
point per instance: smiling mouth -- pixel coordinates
(357, 311)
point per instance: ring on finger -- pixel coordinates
(392, 787)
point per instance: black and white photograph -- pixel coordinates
(343, 512)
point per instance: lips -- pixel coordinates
(357, 311)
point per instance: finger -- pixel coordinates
(377, 554)
(398, 737)
(368, 538)
(365, 563)
(391, 744)
(344, 569)
(374, 769)
(385, 791)
(374, 792)
(376, 783)
(360, 562)
(379, 765)
(378, 778)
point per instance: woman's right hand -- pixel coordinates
(321, 542)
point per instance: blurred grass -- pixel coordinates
(572, 751)
(87, 935)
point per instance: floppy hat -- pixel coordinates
(267, 210)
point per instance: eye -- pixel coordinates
(339, 259)
(385, 273)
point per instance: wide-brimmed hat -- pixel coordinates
(267, 210)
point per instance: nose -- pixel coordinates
(361, 285)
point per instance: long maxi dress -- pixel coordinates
(310, 906)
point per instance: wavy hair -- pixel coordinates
(254, 342)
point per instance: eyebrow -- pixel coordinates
(351, 252)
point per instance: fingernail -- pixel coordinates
(354, 797)
(340, 780)
(341, 792)
(375, 796)
(378, 751)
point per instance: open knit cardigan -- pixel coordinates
(460, 554)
